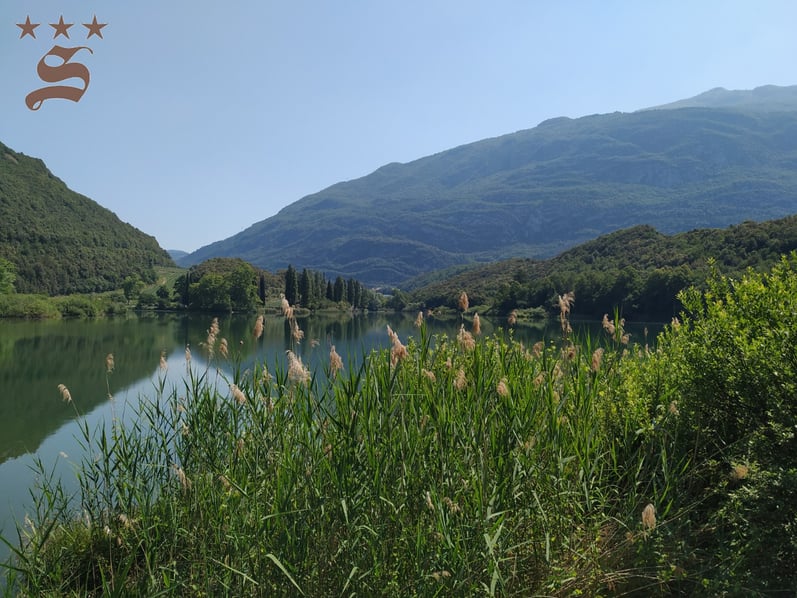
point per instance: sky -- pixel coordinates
(201, 118)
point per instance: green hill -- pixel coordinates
(62, 242)
(537, 192)
(638, 270)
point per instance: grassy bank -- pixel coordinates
(21, 305)
(453, 466)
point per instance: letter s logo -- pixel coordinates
(55, 74)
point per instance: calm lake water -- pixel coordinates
(35, 357)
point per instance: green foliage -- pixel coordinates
(639, 271)
(8, 274)
(27, 306)
(220, 285)
(535, 193)
(24, 305)
(61, 242)
(291, 286)
(730, 371)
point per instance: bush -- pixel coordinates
(732, 368)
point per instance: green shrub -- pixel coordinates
(731, 367)
(27, 306)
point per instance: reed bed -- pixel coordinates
(438, 467)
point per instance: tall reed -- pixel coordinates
(441, 466)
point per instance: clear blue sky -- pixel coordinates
(202, 118)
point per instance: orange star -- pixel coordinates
(94, 28)
(61, 28)
(27, 28)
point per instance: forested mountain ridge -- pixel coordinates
(638, 270)
(62, 242)
(537, 192)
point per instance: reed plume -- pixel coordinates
(565, 304)
(163, 365)
(238, 394)
(224, 349)
(66, 396)
(109, 363)
(512, 319)
(502, 389)
(419, 319)
(335, 362)
(185, 483)
(296, 333)
(649, 517)
(608, 325)
(297, 371)
(465, 339)
(213, 332)
(258, 331)
(597, 358)
(477, 325)
(460, 382)
(463, 301)
(397, 350)
(287, 310)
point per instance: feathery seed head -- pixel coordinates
(66, 396)
(649, 517)
(335, 362)
(463, 301)
(465, 339)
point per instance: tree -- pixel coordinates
(211, 293)
(243, 290)
(339, 290)
(132, 287)
(291, 285)
(305, 289)
(261, 288)
(8, 274)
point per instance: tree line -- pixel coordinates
(232, 284)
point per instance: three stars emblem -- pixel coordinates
(61, 28)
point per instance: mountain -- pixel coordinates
(63, 242)
(176, 254)
(536, 192)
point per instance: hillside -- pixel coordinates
(537, 192)
(638, 270)
(62, 242)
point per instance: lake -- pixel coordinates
(37, 356)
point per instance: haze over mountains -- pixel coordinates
(717, 159)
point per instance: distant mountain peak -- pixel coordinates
(763, 98)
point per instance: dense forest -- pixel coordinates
(637, 270)
(61, 242)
